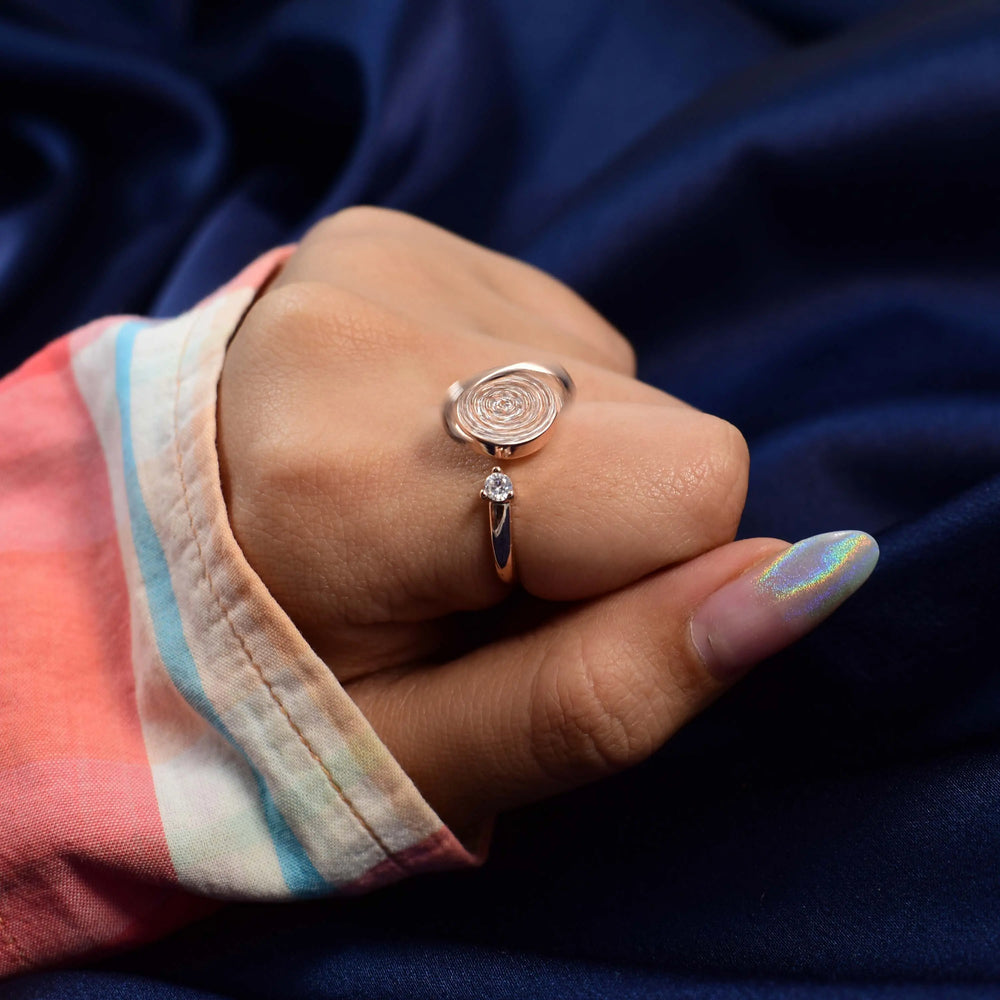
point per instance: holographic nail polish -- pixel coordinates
(766, 609)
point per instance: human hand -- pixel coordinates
(362, 517)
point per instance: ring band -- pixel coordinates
(499, 491)
(506, 413)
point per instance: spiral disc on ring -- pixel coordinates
(510, 410)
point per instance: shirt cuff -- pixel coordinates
(269, 781)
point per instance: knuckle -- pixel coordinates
(318, 322)
(292, 457)
(284, 307)
(300, 509)
(381, 254)
(613, 348)
(588, 720)
(359, 220)
(279, 472)
(606, 338)
(624, 352)
(732, 477)
(720, 481)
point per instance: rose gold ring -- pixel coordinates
(506, 412)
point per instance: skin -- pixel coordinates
(363, 517)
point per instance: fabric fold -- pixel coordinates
(251, 774)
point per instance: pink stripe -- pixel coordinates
(82, 865)
(55, 491)
(81, 841)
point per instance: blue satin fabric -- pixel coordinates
(792, 207)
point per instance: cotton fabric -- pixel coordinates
(169, 737)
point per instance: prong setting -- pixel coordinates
(506, 413)
(498, 488)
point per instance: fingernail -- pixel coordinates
(766, 609)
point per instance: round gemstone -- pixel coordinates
(498, 487)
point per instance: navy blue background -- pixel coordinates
(792, 207)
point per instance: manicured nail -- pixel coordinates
(766, 609)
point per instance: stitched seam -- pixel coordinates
(7, 937)
(275, 697)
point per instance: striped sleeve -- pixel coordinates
(167, 737)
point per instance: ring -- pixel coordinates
(506, 412)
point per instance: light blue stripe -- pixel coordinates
(299, 873)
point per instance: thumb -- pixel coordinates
(603, 685)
